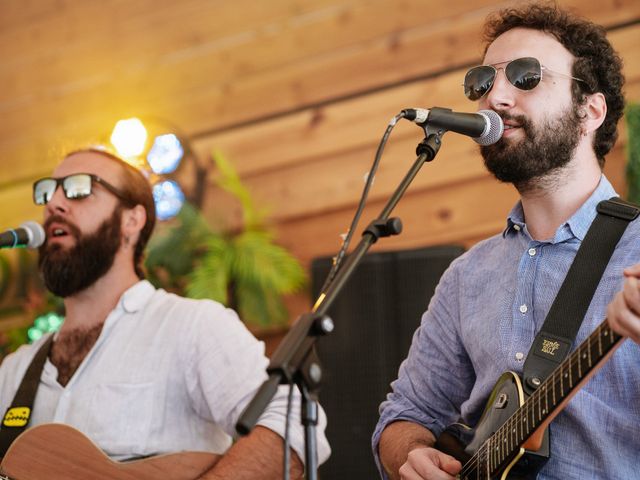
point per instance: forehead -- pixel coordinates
(89, 162)
(525, 42)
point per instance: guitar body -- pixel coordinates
(59, 452)
(462, 442)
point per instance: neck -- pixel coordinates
(550, 201)
(90, 307)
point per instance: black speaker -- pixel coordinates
(375, 316)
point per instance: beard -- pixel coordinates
(69, 271)
(538, 158)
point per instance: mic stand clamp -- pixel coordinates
(384, 228)
(431, 143)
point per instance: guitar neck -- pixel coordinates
(547, 400)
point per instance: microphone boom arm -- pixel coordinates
(295, 359)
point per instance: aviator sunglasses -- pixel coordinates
(523, 73)
(75, 187)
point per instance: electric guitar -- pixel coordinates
(511, 426)
(59, 452)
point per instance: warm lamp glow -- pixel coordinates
(129, 137)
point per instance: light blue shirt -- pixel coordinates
(481, 322)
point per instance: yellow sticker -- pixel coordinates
(17, 417)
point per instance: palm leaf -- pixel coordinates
(211, 277)
(259, 306)
(260, 261)
(633, 152)
(175, 251)
(229, 181)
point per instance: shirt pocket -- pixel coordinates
(120, 420)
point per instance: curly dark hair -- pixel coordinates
(137, 190)
(597, 63)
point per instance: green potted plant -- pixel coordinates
(245, 270)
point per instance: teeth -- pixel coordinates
(57, 232)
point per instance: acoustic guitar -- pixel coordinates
(511, 425)
(60, 452)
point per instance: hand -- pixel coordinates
(426, 463)
(623, 313)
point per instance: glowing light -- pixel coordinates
(49, 322)
(165, 154)
(129, 137)
(168, 198)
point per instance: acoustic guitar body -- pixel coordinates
(60, 452)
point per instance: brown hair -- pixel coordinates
(137, 189)
(597, 63)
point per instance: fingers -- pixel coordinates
(632, 271)
(623, 313)
(429, 464)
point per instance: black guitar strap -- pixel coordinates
(16, 418)
(553, 342)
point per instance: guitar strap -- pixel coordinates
(553, 342)
(17, 416)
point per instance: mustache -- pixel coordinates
(519, 119)
(72, 228)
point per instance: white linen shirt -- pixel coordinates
(166, 374)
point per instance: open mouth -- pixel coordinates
(58, 231)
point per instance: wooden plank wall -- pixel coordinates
(295, 93)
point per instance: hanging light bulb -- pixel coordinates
(129, 137)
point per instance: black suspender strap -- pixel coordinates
(553, 342)
(16, 418)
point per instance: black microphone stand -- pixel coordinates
(295, 360)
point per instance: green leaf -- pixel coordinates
(632, 115)
(260, 306)
(229, 181)
(176, 250)
(211, 277)
(258, 260)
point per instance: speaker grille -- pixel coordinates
(375, 316)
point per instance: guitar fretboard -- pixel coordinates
(498, 450)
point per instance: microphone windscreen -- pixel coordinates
(496, 128)
(35, 232)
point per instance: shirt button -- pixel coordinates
(523, 309)
(519, 356)
(516, 228)
(532, 252)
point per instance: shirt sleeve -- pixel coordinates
(437, 375)
(231, 365)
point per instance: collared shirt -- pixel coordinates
(481, 322)
(167, 374)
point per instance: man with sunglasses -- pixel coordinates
(140, 371)
(556, 82)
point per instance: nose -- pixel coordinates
(502, 93)
(58, 203)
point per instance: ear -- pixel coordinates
(594, 110)
(132, 223)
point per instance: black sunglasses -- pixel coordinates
(523, 73)
(76, 186)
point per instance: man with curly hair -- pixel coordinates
(556, 82)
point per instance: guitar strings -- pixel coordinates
(521, 415)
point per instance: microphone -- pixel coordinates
(29, 234)
(486, 126)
